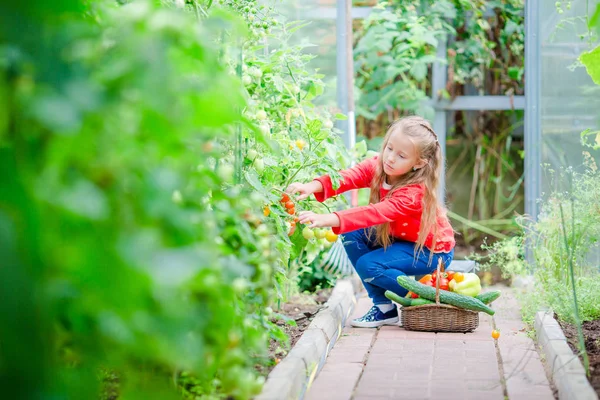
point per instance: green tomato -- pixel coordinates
(176, 197)
(259, 165)
(255, 72)
(262, 230)
(246, 80)
(265, 128)
(225, 172)
(261, 115)
(327, 124)
(252, 154)
(320, 233)
(239, 285)
(308, 233)
(210, 281)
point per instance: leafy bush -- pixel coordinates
(131, 223)
(580, 224)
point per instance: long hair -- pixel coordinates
(425, 139)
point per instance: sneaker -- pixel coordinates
(374, 318)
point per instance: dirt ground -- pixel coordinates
(302, 309)
(591, 334)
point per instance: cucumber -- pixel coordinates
(421, 302)
(455, 299)
(403, 301)
(487, 298)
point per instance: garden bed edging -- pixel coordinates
(563, 367)
(292, 377)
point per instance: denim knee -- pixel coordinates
(367, 269)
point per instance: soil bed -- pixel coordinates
(302, 309)
(591, 334)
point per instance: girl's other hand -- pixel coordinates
(313, 220)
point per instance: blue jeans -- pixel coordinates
(378, 268)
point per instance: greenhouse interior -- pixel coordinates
(318, 199)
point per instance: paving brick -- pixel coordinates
(484, 371)
(404, 364)
(335, 382)
(495, 394)
(448, 393)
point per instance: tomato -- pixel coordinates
(495, 334)
(331, 237)
(246, 80)
(285, 198)
(426, 278)
(308, 233)
(459, 277)
(450, 275)
(320, 233)
(259, 165)
(289, 204)
(252, 154)
(296, 219)
(266, 211)
(292, 230)
(292, 223)
(291, 211)
(261, 115)
(414, 295)
(443, 284)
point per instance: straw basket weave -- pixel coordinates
(439, 317)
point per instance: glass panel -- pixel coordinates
(320, 33)
(570, 100)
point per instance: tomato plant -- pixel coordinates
(158, 196)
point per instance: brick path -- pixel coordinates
(392, 363)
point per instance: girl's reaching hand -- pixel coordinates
(305, 189)
(313, 220)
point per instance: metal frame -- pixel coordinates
(529, 103)
(345, 71)
(533, 123)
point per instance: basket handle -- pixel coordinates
(437, 281)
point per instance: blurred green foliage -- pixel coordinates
(136, 259)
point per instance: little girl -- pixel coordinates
(408, 228)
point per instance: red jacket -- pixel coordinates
(403, 210)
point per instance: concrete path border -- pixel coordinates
(563, 367)
(291, 378)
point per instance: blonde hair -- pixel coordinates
(426, 141)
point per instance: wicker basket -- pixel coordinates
(439, 317)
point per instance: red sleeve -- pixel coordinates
(357, 177)
(403, 203)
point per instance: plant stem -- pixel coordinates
(586, 361)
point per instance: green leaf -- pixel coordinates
(314, 126)
(591, 60)
(298, 241)
(594, 21)
(341, 117)
(252, 178)
(515, 73)
(419, 71)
